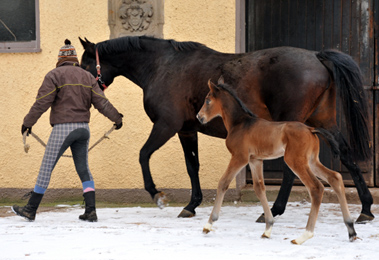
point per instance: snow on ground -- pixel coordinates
(151, 233)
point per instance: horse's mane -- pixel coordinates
(231, 91)
(128, 43)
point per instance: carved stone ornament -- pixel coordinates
(135, 18)
(136, 15)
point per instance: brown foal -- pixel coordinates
(251, 140)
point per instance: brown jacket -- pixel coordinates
(70, 90)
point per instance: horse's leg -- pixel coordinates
(356, 174)
(260, 190)
(315, 189)
(336, 182)
(285, 189)
(191, 154)
(159, 136)
(235, 165)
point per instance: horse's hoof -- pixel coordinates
(186, 214)
(161, 200)
(364, 218)
(261, 219)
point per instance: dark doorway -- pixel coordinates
(346, 25)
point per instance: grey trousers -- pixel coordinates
(73, 135)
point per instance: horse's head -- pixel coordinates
(211, 107)
(88, 63)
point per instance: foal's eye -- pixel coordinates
(207, 101)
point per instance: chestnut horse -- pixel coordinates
(281, 84)
(251, 140)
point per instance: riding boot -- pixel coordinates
(29, 211)
(90, 210)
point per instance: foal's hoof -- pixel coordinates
(186, 214)
(161, 200)
(261, 219)
(364, 218)
(206, 231)
(294, 242)
(207, 228)
(353, 238)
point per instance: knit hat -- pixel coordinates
(67, 51)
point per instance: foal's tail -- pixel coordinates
(328, 136)
(349, 81)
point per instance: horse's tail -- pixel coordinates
(349, 81)
(329, 138)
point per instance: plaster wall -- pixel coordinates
(115, 162)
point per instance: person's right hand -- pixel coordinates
(119, 125)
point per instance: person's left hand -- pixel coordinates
(24, 129)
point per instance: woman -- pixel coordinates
(69, 91)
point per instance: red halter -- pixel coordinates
(98, 78)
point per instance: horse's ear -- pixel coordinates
(87, 45)
(220, 80)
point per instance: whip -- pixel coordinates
(27, 146)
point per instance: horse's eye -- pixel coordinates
(207, 101)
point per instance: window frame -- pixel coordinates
(25, 46)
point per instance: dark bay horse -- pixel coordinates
(251, 140)
(281, 84)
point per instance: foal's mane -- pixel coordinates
(128, 43)
(231, 92)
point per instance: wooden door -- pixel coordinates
(346, 25)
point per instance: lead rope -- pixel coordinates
(27, 146)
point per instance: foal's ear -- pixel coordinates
(87, 45)
(220, 80)
(211, 85)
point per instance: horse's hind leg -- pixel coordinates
(191, 154)
(336, 182)
(260, 190)
(235, 165)
(356, 174)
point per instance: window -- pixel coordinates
(19, 26)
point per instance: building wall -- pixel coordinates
(115, 162)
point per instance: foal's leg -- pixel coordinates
(234, 167)
(315, 189)
(336, 182)
(284, 192)
(260, 190)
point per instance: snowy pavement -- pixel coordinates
(151, 233)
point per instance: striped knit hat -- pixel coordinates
(67, 51)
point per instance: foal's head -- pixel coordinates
(212, 105)
(222, 98)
